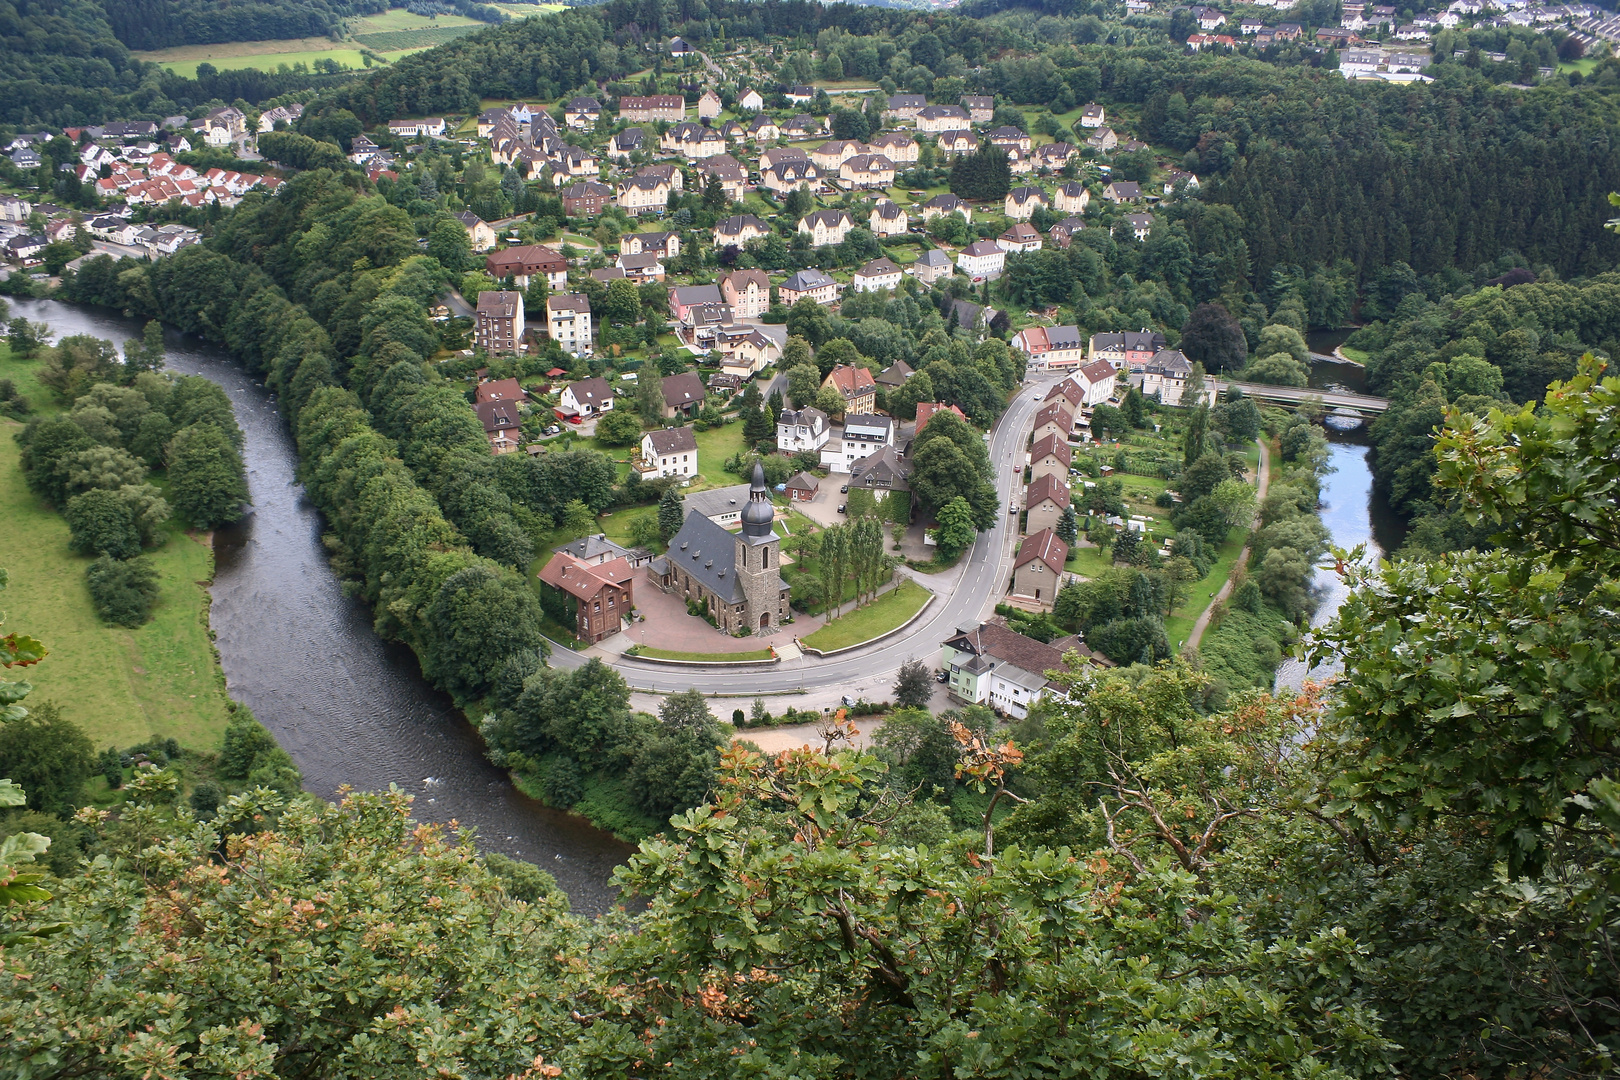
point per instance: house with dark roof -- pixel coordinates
(587, 397)
(818, 285)
(669, 452)
(802, 487)
(1166, 375)
(1044, 502)
(1038, 567)
(881, 473)
(992, 665)
(502, 425)
(1050, 456)
(683, 394)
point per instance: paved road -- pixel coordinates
(983, 576)
(1331, 398)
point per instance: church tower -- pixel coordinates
(759, 559)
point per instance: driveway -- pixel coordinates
(823, 509)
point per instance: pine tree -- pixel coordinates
(1068, 526)
(671, 512)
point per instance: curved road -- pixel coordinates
(983, 574)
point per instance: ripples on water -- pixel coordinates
(350, 708)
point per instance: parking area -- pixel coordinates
(823, 509)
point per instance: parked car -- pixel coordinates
(842, 507)
(942, 675)
(844, 490)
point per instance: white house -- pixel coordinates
(1093, 116)
(568, 321)
(1096, 380)
(863, 436)
(982, 260)
(800, 430)
(751, 101)
(587, 397)
(992, 665)
(877, 274)
(669, 452)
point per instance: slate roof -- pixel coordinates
(708, 552)
(990, 643)
(682, 389)
(679, 440)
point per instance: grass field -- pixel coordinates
(22, 375)
(120, 686)
(387, 41)
(231, 57)
(1179, 625)
(400, 19)
(704, 657)
(879, 617)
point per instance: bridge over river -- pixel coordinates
(1288, 397)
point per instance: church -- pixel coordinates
(735, 576)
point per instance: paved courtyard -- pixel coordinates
(668, 626)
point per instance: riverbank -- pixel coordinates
(122, 687)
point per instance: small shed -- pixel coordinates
(803, 487)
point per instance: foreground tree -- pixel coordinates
(914, 685)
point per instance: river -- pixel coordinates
(1351, 510)
(350, 708)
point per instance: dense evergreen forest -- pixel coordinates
(157, 24)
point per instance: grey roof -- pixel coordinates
(807, 280)
(708, 552)
(867, 427)
(687, 295)
(1168, 362)
(935, 258)
(884, 470)
(718, 501)
(592, 547)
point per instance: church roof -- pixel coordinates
(708, 552)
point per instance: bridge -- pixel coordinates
(1292, 396)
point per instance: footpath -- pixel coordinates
(1202, 624)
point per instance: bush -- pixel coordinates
(122, 592)
(250, 753)
(522, 880)
(48, 757)
(560, 783)
(205, 799)
(101, 523)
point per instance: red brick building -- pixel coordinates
(599, 596)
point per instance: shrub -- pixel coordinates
(101, 523)
(122, 592)
(522, 880)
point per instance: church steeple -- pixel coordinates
(759, 513)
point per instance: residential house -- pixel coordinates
(568, 322)
(1103, 139)
(499, 327)
(601, 596)
(586, 199)
(1054, 419)
(897, 146)
(1093, 116)
(1251, 26)
(1010, 138)
(1098, 379)
(802, 430)
(735, 577)
(894, 375)
(1069, 390)
(997, 667)
(1140, 225)
(704, 323)
(1050, 347)
(644, 195)
(1050, 157)
(855, 385)
(1022, 202)
(723, 506)
(479, 232)
(502, 424)
(572, 160)
(815, 284)
(799, 94)
(982, 260)
(746, 351)
(1045, 500)
(880, 473)
(679, 47)
(865, 172)
(639, 268)
(778, 154)
(582, 112)
(1176, 179)
(979, 109)
(904, 106)
(526, 262)
(666, 245)
(877, 274)
(730, 174)
(1166, 375)
(803, 126)
(1127, 351)
(1050, 455)
(1288, 31)
(625, 143)
(1021, 237)
(738, 230)
(1337, 37)
(669, 452)
(751, 101)
(956, 142)
(288, 114)
(499, 390)
(587, 397)
(683, 395)
(887, 219)
(943, 118)
(1038, 567)
(670, 108)
(748, 292)
(802, 487)
(1019, 163)
(927, 410)
(709, 106)
(930, 266)
(1071, 198)
(762, 129)
(1208, 18)
(1199, 42)
(15, 209)
(946, 204)
(784, 176)
(863, 436)
(683, 298)
(830, 155)
(1123, 191)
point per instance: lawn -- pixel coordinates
(121, 686)
(24, 376)
(715, 447)
(885, 613)
(233, 57)
(1360, 356)
(1199, 595)
(703, 657)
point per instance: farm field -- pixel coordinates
(248, 54)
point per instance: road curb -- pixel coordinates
(703, 663)
(932, 596)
